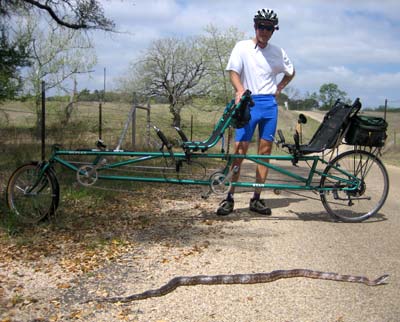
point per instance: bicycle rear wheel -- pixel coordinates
(32, 196)
(362, 203)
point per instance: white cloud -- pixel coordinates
(349, 43)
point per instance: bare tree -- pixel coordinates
(218, 45)
(71, 14)
(57, 54)
(171, 68)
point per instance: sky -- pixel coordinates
(354, 44)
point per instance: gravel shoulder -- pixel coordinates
(182, 236)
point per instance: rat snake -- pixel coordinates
(241, 279)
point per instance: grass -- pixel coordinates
(19, 144)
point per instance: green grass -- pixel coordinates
(19, 144)
(391, 151)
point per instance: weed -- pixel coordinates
(9, 222)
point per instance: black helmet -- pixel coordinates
(267, 15)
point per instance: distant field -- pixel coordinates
(18, 119)
(17, 127)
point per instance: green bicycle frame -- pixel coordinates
(191, 151)
(347, 182)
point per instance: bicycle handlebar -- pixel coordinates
(356, 105)
(246, 97)
(163, 138)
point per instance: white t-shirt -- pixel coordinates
(258, 67)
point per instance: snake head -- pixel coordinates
(381, 280)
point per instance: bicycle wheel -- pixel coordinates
(362, 203)
(31, 196)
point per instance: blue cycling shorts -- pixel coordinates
(264, 113)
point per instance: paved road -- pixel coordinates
(299, 234)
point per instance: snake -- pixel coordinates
(255, 278)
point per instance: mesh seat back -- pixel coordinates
(331, 128)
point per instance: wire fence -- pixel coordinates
(80, 125)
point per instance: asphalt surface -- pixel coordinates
(299, 234)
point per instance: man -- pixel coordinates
(254, 64)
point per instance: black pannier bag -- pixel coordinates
(367, 131)
(242, 116)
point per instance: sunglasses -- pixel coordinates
(266, 27)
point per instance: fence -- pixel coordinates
(81, 124)
(74, 124)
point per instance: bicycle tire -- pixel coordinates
(367, 199)
(31, 198)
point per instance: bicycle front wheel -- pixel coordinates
(32, 195)
(357, 205)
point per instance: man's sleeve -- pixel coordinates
(235, 61)
(288, 68)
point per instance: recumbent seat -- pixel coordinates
(332, 128)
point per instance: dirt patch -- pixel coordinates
(47, 270)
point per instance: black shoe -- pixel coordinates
(225, 207)
(259, 206)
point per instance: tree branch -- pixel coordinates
(100, 21)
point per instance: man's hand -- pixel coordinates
(285, 80)
(239, 95)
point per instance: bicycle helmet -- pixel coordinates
(267, 15)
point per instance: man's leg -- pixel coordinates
(264, 148)
(226, 206)
(256, 204)
(240, 148)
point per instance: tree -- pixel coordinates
(172, 68)
(71, 14)
(218, 46)
(12, 56)
(328, 94)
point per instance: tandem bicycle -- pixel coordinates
(352, 183)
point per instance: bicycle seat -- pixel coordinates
(233, 112)
(330, 131)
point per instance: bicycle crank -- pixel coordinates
(87, 175)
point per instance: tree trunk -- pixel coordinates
(72, 101)
(176, 114)
(176, 121)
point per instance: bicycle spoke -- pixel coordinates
(346, 203)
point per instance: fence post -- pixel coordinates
(100, 119)
(148, 124)
(43, 120)
(191, 127)
(134, 105)
(384, 114)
